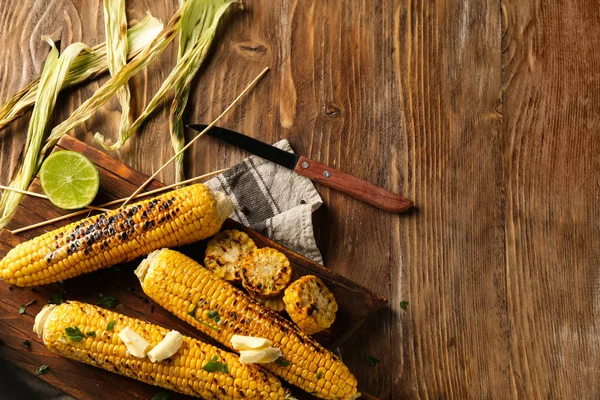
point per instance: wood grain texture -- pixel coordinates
(551, 133)
(356, 303)
(483, 112)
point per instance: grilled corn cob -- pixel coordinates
(197, 296)
(266, 272)
(185, 372)
(172, 219)
(310, 304)
(225, 253)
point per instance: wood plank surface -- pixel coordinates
(484, 113)
(355, 303)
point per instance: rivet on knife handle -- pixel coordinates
(352, 186)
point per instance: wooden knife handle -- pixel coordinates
(352, 186)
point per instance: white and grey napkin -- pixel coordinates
(273, 201)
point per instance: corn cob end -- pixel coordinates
(224, 205)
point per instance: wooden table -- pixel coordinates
(485, 113)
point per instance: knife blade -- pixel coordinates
(315, 171)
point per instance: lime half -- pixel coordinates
(69, 179)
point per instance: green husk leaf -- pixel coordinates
(86, 66)
(102, 95)
(53, 75)
(189, 63)
(115, 25)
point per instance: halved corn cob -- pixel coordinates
(274, 303)
(172, 219)
(266, 272)
(184, 372)
(225, 253)
(220, 310)
(310, 304)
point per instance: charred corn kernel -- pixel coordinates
(310, 304)
(192, 293)
(225, 253)
(274, 303)
(266, 272)
(188, 371)
(175, 218)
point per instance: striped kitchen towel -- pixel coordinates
(274, 201)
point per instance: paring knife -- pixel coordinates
(315, 171)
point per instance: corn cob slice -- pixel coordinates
(274, 303)
(225, 253)
(175, 218)
(193, 293)
(310, 304)
(266, 272)
(183, 372)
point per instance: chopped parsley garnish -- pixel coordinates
(282, 362)
(111, 325)
(404, 305)
(372, 361)
(162, 395)
(193, 312)
(319, 375)
(74, 334)
(193, 315)
(92, 334)
(106, 301)
(42, 369)
(27, 344)
(212, 314)
(213, 366)
(24, 306)
(56, 298)
(209, 325)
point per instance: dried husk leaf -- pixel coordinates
(193, 25)
(53, 76)
(187, 66)
(115, 26)
(105, 92)
(86, 66)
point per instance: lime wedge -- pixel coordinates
(69, 179)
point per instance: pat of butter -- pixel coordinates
(136, 345)
(263, 356)
(167, 347)
(239, 342)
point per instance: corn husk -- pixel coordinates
(53, 76)
(115, 26)
(187, 66)
(106, 91)
(193, 26)
(86, 66)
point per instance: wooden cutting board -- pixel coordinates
(117, 180)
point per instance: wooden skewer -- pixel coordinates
(113, 202)
(12, 189)
(43, 196)
(94, 208)
(250, 85)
